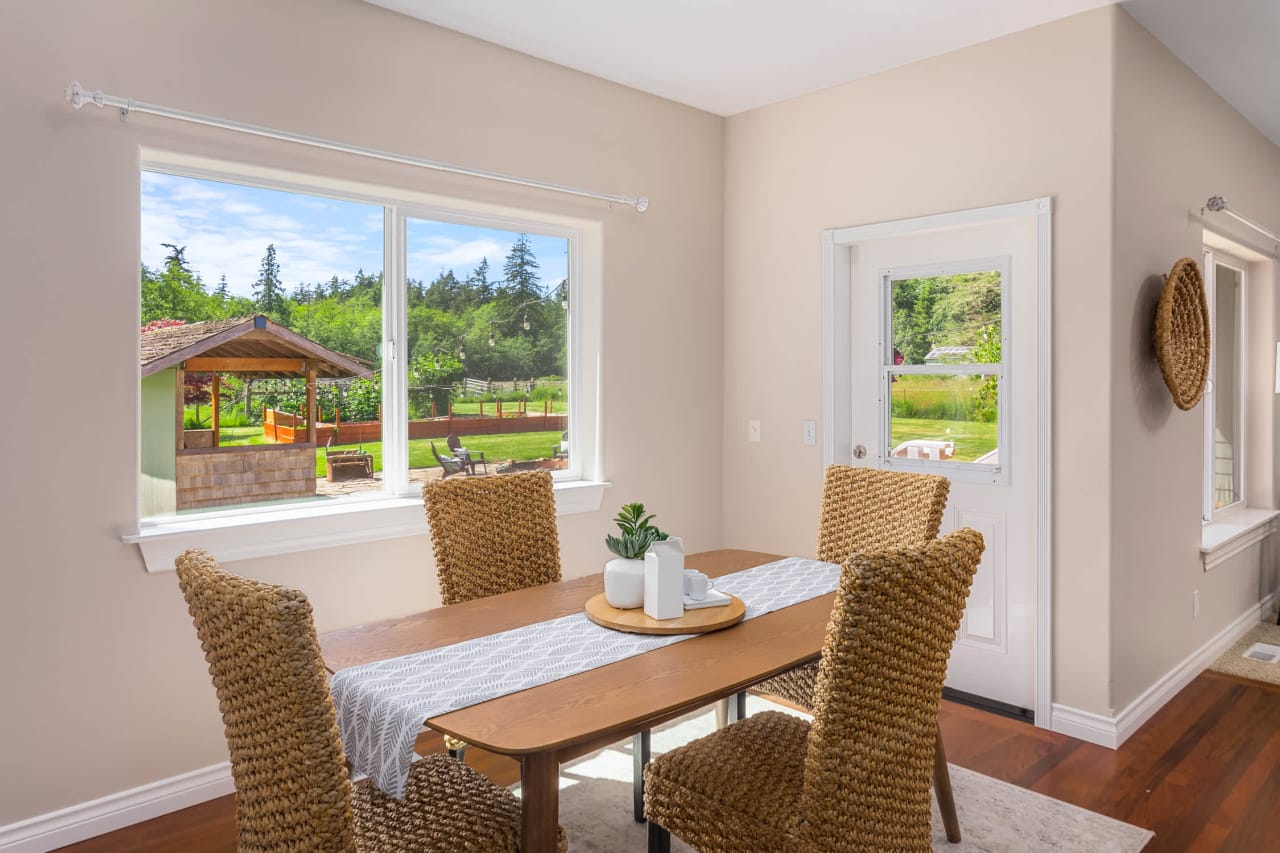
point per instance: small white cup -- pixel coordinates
(697, 584)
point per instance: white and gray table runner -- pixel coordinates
(382, 705)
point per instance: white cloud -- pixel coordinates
(444, 253)
(225, 235)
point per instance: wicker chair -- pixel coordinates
(292, 789)
(864, 509)
(857, 778)
(493, 534)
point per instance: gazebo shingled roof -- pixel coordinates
(249, 346)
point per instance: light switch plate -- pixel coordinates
(810, 433)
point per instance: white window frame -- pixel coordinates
(249, 532)
(1213, 258)
(963, 471)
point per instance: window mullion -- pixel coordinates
(395, 357)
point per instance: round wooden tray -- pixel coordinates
(698, 621)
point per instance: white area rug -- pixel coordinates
(995, 817)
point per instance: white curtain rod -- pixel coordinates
(78, 97)
(1218, 204)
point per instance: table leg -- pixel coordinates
(639, 758)
(539, 802)
(738, 707)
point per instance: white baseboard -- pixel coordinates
(1113, 731)
(1084, 725)
(114, 811)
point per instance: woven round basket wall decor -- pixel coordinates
(1182, 334)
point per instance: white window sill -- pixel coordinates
(244, 536)
(1233, 532)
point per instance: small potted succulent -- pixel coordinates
(624, 575)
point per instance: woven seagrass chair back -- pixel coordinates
(493, 534)
(292, 790)
(869, 765)
(864, 509)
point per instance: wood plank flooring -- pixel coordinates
(1204, 774)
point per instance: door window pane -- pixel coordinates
(946, 319)
(944, 418)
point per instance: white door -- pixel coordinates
(943, 372)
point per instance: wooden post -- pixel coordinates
(180, 391)
(216, 381)
(311, 402)
(499, 405)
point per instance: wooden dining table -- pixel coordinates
(553, 723)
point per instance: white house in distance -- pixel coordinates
(747, 192)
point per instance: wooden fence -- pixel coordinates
(286, 428)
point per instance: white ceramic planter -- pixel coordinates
(624, 583)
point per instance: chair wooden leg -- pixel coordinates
(942, 786)
(659, 839)
(639, 758)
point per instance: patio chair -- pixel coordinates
(451, 464)
(471, 457)
(857, 777)
(292, 788)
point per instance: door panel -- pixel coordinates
(994, 652)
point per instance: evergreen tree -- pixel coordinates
(268, 291)
(174, 292)
(478, 283)
(222, 292)
(520, 270)
(522, 289)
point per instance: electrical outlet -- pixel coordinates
(809, 433)
(753, 431)
(1195, 604)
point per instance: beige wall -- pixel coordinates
(103, 683)
(1023, 116)
(1176, 144)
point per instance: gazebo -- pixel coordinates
(208, 475)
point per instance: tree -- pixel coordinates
(522, 289)
(478, 283)
(520, 271)
(268, 291)
(175, 291)
(221, 291)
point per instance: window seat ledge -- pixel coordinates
(1222, 539)
(247, 535)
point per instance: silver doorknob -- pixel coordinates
(860, 452)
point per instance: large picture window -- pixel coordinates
(304, 345)
(943, 371)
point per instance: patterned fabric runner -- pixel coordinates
(382, 705)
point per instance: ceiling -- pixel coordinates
(1234, 45)
(726, 56)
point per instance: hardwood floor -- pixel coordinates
(1204, 774)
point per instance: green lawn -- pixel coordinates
(972, 438)
(520, 446)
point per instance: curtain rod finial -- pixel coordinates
(1216, 203)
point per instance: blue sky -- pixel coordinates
(226, 229)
